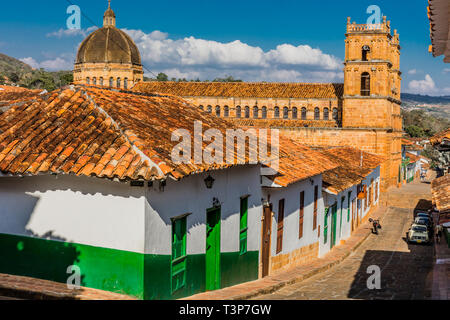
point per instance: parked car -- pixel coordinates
(425, 215)
(418, 233)
(424, 221)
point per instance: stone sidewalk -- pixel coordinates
(37, 289)
(298, 273)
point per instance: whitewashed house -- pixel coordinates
(87, 184)
(293, 208)
(350, 192)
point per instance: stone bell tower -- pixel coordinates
(372, 77)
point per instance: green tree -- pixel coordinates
(415, 131)
(162, 77)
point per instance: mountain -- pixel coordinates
(13, 71)
(409, 98)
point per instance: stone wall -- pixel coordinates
(380, 142)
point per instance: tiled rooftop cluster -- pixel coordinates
(440, 189)
(353, 166)
(98, 132)
(85, 130)
(244, 89)
(441, 136)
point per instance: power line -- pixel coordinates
(121, 48)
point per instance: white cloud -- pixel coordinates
(446, 70)
(57, 64)
(62, 33)
(31, 62)
(194, 58)
(426, 86)
(412, 71)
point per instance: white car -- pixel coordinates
(418, 233)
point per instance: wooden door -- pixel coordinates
(213, 249)
(265, 247)
(333, 226)
(354, 215)
(280, 226)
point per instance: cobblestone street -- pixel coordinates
(405, 269)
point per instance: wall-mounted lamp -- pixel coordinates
(209, 181)
(162, 184)
(216, 203)
(311, 180)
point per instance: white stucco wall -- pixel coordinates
(291, 196)
(343, 231)
(83, 210)
(190, 195)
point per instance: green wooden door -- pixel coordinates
(213, 249)
(333, 225)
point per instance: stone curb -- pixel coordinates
(339, 251)
(38, 289)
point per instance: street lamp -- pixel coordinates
(209, 181)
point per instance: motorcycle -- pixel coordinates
(376, 225)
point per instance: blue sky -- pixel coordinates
(255, 40)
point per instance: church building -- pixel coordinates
(362, 112)
(108, 57)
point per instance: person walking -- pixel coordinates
(438, 233)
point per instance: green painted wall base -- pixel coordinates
(144, 276)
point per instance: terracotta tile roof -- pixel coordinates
(283, 123)
(9, 93)
(406, 142)
(89, 131)
(440, 189)
(438, 14)
(244, 89)
(412, 157)
(438, 138)
(349, 171)
(298, 162)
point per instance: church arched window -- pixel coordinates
(264, 112)
(238, 111)
(294, 113)
(111, 82)
(201, 107)
(125, 83)
(365, 53)
(285, 113)
(209, 109)
(365, 84)
(118, 82)
(303, 113)
(226, 111)
(88, 80)
(316, 113)
(335, 114)
(247, 112)
(276, 112)
(326, 114)
(101, 81)
(94, 81)
(218, 111)
(255, 112)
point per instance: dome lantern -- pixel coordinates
(109, 18)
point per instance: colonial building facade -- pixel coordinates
(363, 112)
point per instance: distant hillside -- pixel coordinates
(421, 99)
(13, 71)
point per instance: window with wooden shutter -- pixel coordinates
(301, 212)
(316, 197)
(178, 265)
(243, 226)
(280, 225)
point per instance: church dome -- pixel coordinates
(108, 45)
